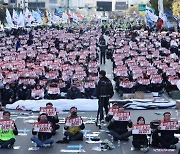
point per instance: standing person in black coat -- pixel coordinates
(140, 141)
(119, 129)
(104, 91)
(56, 42)
(7, 94)
(103, 47)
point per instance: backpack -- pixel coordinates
(106, 88)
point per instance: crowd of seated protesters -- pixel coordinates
(44, 62)
(47, 65)
(147, 61)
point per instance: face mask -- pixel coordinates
(73, 113)
(24, 87)
(7, 87)
(44, 120)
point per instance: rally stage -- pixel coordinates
(91, 104)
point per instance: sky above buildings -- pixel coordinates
(138, 1)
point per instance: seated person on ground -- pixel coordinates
(53, 119)
(166, 139)
(44, 129)
(73, 126)
(140, 141)
(7, 94)
(73, 92)
(118, 128)
(53, 92)
(37, 92)
(7, 136)
(111, 112)
(23, 92)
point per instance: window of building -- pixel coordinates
(36, 4)
(53, 1)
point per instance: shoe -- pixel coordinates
(133, 148)
(46, 145)
(65, 140)
(102, 121)
(10, 146)
(144, 149)
(172, 146)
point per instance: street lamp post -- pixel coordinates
(67, 6)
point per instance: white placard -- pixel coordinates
(169, 125)
(122, 116)
(48, 111)
(73, 121)
(6, 124)
(141, 129)
(42, 127)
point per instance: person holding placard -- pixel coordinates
(44, 130)
(111, 111)
(167, 128)
(73, 92)
(37, 92)
(8, 130)
(119, 124)
(139, 132)
(54, 117)
(73, 125)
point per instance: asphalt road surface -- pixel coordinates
(124, 148)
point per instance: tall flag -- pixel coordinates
(28, 17)
(37, 17)
(150, 16)
(9, 19)
(160, 8)
(65, 17)
(20, 21)
(168, 17)
(39, 12)
(15, 16)
(49, 16)
(57, 13)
